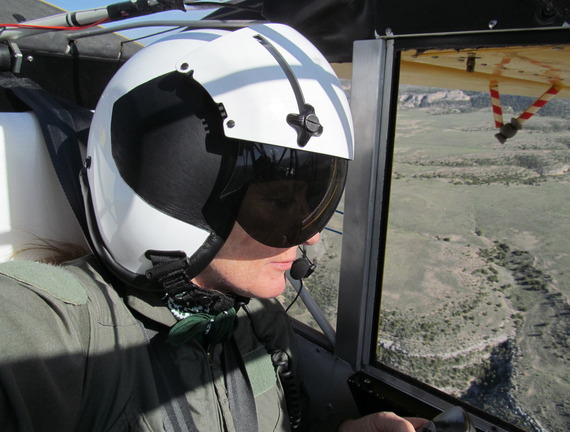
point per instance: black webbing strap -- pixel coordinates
(65, 128)
(240, 393)
(176, 412)
(169, 271)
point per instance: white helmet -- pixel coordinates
(209, 127)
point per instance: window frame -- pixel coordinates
(374, 106)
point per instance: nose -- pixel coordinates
(313, 240)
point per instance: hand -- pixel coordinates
(383, 422)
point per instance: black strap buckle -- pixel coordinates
(166, 263)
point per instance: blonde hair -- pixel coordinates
(50, 251)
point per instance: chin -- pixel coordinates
(267, 290)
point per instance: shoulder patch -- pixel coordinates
(48, 278)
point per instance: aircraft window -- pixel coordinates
(475, 283)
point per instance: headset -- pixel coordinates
(302, 267)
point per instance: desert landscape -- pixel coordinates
(476, 283)
(475, 288)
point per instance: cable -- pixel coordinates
(56, 28)
(296, 297)
(222, 5)
(188, 24)
(155, 34)
(291, 387)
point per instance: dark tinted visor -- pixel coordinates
(282, 197)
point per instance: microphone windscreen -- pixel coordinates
(300, 268)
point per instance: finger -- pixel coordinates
(390, 422)
(417, 422)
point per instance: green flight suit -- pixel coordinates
(74, 356)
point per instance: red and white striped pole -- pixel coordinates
(496, 103)
(509, 130)
(539, 103)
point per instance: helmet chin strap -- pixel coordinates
(204, 315)
(170, 272)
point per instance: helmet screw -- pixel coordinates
(230, 123)
(312, 123)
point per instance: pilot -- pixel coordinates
(212, 156)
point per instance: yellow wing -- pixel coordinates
(524, 70)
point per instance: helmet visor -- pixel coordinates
(281, 196)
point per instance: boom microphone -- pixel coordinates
(302, 267)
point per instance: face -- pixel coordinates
(248, 268)
(270, 209)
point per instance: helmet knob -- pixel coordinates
(306, 124)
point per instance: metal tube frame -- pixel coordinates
(373, 64)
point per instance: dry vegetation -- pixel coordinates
(475, 296)
(477, 233)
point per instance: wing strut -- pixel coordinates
(509, 130)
